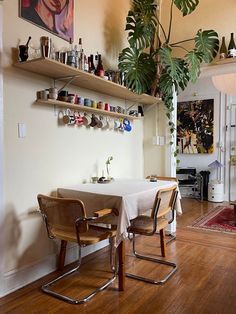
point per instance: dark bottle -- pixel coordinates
(96, 60)
(91, 65)
(99, 70)
(223, 49)
(231, 47)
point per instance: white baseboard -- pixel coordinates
(18, 278)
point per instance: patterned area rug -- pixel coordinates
(220, 219)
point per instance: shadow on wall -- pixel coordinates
(113, 30)
(27, 230)
(11, 232)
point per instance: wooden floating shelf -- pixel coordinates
(57, 70)
(65, 105)
(225, 61)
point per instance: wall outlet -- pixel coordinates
(158, 140)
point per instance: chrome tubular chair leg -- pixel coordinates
(155, 260)
(113, 256)
(45, 288)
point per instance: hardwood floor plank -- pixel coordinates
(205, 281)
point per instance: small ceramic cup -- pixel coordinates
(81, 101)
(116, 124)
(53, 93)
(68, 118)
(71, 98)
(42, 94)
(78, 119)
(87, 102)
(87, 120)
(94, 121)
(104, 122)
(110, 124)
(93, 104)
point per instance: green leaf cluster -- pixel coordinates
(147, 66)
(148, 63)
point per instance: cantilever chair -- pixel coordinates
(148, 225)
(66, 220)
(171, 236)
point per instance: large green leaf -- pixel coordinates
(141, 23)
(186, 6)
(194, 59)
(139, 69)
(176, 68)
(207, 43)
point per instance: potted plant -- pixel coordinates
(148, 64)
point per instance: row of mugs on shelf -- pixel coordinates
(63, 95)
(76, 118)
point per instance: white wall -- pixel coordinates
(155, 124)
(209, 14)
(195, 92)
(50, 155)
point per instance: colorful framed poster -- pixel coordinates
(195, 126)
(55, 16)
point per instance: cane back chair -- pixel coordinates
(148, 225)
(66, 220)
(171, 236)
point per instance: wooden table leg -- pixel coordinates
(62, 255)
(121, 272)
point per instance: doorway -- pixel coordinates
(231, 130)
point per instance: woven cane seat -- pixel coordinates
(144, 224)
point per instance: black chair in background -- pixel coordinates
(190, 180)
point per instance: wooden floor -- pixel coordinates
(204, 283)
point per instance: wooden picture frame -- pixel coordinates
(195, 127)
(55, 16)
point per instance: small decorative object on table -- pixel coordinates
(108, 162)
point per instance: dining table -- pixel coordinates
(129, 197)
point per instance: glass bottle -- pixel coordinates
(91, 65)
(80, 44)
(81, 60)
(99, 69)
(223, 49)
(231, 47)
(71, 55)
(86, 65)
(96, 60)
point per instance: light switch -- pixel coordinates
(156, 140)
(21, 130)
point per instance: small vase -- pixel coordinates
(23, 52)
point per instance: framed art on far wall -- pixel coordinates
(55, 16)
(195, 126)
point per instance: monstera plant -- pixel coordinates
(149, 65)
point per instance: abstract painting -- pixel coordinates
(56, 16)
(195, 126)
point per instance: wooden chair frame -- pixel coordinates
(148, 258)
(81, 220)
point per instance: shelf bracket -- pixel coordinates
(70, 78)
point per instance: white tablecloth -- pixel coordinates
(130, 197)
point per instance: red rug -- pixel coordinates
(220, 219)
